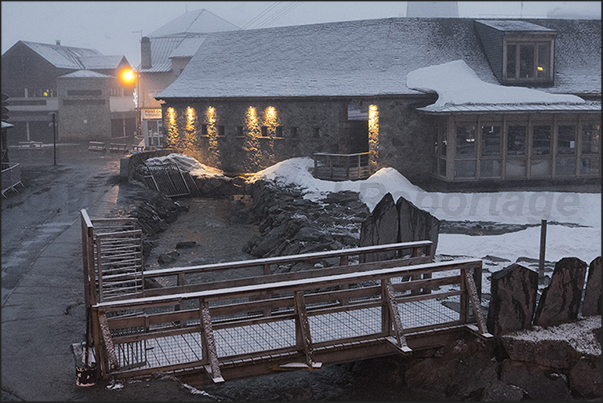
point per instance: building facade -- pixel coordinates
(342, 87)
(79, 85)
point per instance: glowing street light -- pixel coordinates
(130, 78)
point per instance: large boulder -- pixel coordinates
(585, 378)
(416, 224)
(592, 296)
(560, 301)
(513, 292)
(539, 382)
(381, 227)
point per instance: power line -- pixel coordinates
(280, 14)
(260, 15)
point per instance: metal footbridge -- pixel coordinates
(226, 321)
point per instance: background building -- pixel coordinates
(78, 84)
(164, 55)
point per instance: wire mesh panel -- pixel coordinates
(345, 324)
(167, 179)
(255, 338)
(428, 312)
(173, 350)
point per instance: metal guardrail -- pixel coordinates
(340, 167)
(11, 177)
(262, 320)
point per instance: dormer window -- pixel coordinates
(519, 52)
(528, 62)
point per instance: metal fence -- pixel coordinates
(339, 167)
(11, 177)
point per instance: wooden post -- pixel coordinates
(542, 251)
(209, 344)
(303, 335)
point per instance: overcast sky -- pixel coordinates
(115, 27)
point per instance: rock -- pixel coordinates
(585, 378)
(169, 257)
(186, 244)
(416, 224)
(560, 301)
(381, 227)
(558, 346)
(499, 391)
(539, 382)
(513, 292)
(463, 370)
(592, 296)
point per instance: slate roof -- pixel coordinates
(101, 62)
(198, 21)
(589, 106)
(515, 26)
(65, 57)
(182, 36)
(365, 58)
(85, 74)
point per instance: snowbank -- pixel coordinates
(188, 164)
(456, 83)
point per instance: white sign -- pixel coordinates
(151, 113)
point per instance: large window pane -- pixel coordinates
(511, 60)
(515, 168)
(565, 167)
(591, 138)
(489, 168)
(526, 61)
(541, 140)
(465, 141)
(490, 140)
(464, 169)
(516, 140)
(542, 69)
(540, 168)
(590, 166)
(566, 139)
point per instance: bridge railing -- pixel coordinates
(339, 167)
(292, 320)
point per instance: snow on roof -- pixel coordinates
(62, 56)
(186, 163)
(198, 21)
(85, 74)
(6, 125)
(457, 84)
(188, 47)
(515, 26)
(369, 57)
(101, 62)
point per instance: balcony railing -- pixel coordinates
(339, 167)
(11, 177)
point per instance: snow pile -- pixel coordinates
(187, 164)
(574, 219)
(456, 83)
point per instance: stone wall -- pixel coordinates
(405, 140)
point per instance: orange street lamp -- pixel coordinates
(130, 78)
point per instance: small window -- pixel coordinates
(528, 61)
(591, 138)
(490, 140)
(541, 141)
(566, 139)
(221, 131)
(204, 130)
(293, 132)
(239, 131)
(516, 140)
(316, 132)
(264, 131)
(278, 131)
(465, 142)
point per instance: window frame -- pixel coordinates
(528, 39)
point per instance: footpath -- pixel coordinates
(44, 314)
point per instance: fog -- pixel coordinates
(115, 28)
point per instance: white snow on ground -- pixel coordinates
(467, 88)
(188, 164)
(574, 219)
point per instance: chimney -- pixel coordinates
(58, 41)
(145, 53)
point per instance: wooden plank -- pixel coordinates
(389, 298)
(209, 344)
(475, 302)
(303, 335)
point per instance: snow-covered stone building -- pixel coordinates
(450, 99)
